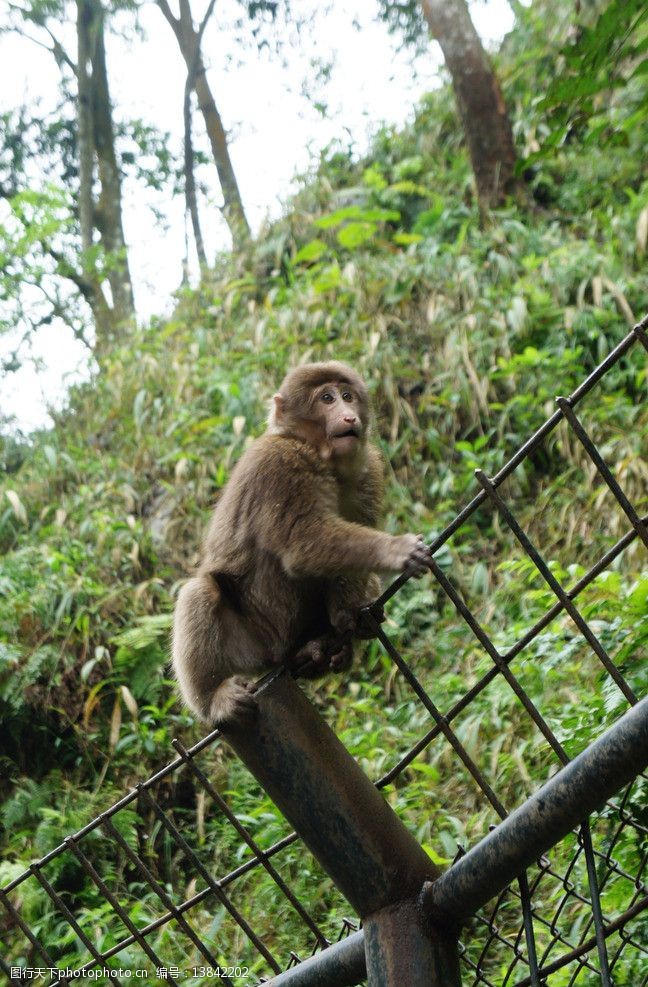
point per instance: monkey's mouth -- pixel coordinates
(350, 433)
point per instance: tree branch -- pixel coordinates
(56, 49)
(59, 51)
(92, 293)
(168, 13)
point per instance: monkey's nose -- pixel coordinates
(351, 419)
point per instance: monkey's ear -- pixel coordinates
(276, 413)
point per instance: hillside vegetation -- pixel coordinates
(465, 335)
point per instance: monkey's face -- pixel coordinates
(325, 404)
(340, 414)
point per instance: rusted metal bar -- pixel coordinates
(340, 815)
(27, 932)
(603, 469)
(215, 886)
(584, 947)
(71, 920)
(161, 892)
(116, 807)
(340, 965)
(441, 722)
(116, 906)
(358, 839)
(580, 788)
(603, 563)
(401, 947)
(548, 576)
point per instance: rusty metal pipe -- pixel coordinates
(340, 965)
(320, 789)
(401, 947)
(580, 788)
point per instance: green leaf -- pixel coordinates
(569, 90)
(404, 239)
(205, 424)
(641, 69)
(434, 856)
(371, 215)
(144, 631)
(408, 187)
(428, 219)
(409, 167)
(355, 234)
(327, 279)
(310, 252)
(373, 178)
(638, 596)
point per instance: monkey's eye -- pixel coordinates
(347, 396)
(327, 397)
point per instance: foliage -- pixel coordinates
(405, 19)
(45, 278)
(464, 335)
(601, 59)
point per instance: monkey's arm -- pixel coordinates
(298, 523)
(294, 515)
(328, 546)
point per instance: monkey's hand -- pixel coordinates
(409, 554)
(233, 701)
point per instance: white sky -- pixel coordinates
(274, 133)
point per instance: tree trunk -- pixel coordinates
(96, 141)
(188, 41)
(479, 97)
(191, 200)
(232, 203)
(109, 212)
(85, 33)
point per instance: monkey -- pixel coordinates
(292, 552)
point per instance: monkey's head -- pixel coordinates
(327, 405)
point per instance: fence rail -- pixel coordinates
(580, 919)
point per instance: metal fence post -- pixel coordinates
(353, 832)
(402, 947)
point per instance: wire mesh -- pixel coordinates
(174, 909)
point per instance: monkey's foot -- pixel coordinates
(332, 652)
(234, 702)
(343, 658)
(311, 660)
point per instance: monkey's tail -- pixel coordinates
(195, 644)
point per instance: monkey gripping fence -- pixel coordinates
(523, 919)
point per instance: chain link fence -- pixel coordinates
(176, 907)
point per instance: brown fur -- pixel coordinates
(289, 554)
